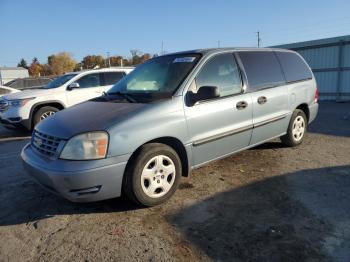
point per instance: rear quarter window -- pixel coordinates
(294, 68)
(262, 68)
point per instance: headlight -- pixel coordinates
(19, 102)
(86, 146)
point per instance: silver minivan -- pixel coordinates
(172, 114)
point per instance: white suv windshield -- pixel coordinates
(59, 81)
(160, 75)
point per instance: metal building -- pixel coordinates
(10, 73)
(329, 59)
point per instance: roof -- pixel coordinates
(106, 69)
(323, 41)
(205, 51)
(12, 68)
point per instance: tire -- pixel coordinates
(297, 129)
(147, 183)
(38, 116)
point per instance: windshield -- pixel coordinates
(160, 75)
(59, 81)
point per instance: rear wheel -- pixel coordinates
(43, 113)
(153, 176)
(296, 130)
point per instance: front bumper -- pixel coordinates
(15, 117)
(77, 181)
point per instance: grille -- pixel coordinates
(3, 105)
(45, 144)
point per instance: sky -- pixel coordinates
(85, 27)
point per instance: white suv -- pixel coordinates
(29, 107)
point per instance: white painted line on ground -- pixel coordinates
(6, 139)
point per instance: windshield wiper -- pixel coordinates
(128, 97)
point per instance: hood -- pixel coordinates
(28, 93)
(86, 117)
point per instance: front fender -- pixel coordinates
(165, 120)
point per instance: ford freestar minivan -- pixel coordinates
(172, 114)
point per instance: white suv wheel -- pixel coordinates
(47, 114)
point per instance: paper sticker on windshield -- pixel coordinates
(187, 59)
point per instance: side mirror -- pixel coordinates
(73, 86)
(204, 93)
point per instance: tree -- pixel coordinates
(22, 63)
(35, 67)
(137, 57)
(78, 67)
(61, 63)
(145, 57)
(45, 70)
(93, 61)
(116, 61)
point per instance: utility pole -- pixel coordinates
(258, 36)
(218, 43)
(109, 61)
(162, 49)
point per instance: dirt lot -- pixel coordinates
(269, 203)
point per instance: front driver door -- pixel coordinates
(223, 125)
(90, 86)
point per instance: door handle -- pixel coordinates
(262, 100)
(241, 105)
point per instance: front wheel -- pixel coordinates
(296, 130)
(153, 176)
(43, 113)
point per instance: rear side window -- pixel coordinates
(262, 68)
(91, 80)
(110, 78)
(221, 71)
(293, 66)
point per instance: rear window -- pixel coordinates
(293, 66)
(110, 78)
(262, 68)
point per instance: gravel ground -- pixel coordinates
(270, 203)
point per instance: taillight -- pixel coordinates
(316, 95)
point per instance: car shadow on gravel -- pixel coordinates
(13, 134)
(33, 204)
(270, 145)
(295, 217)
